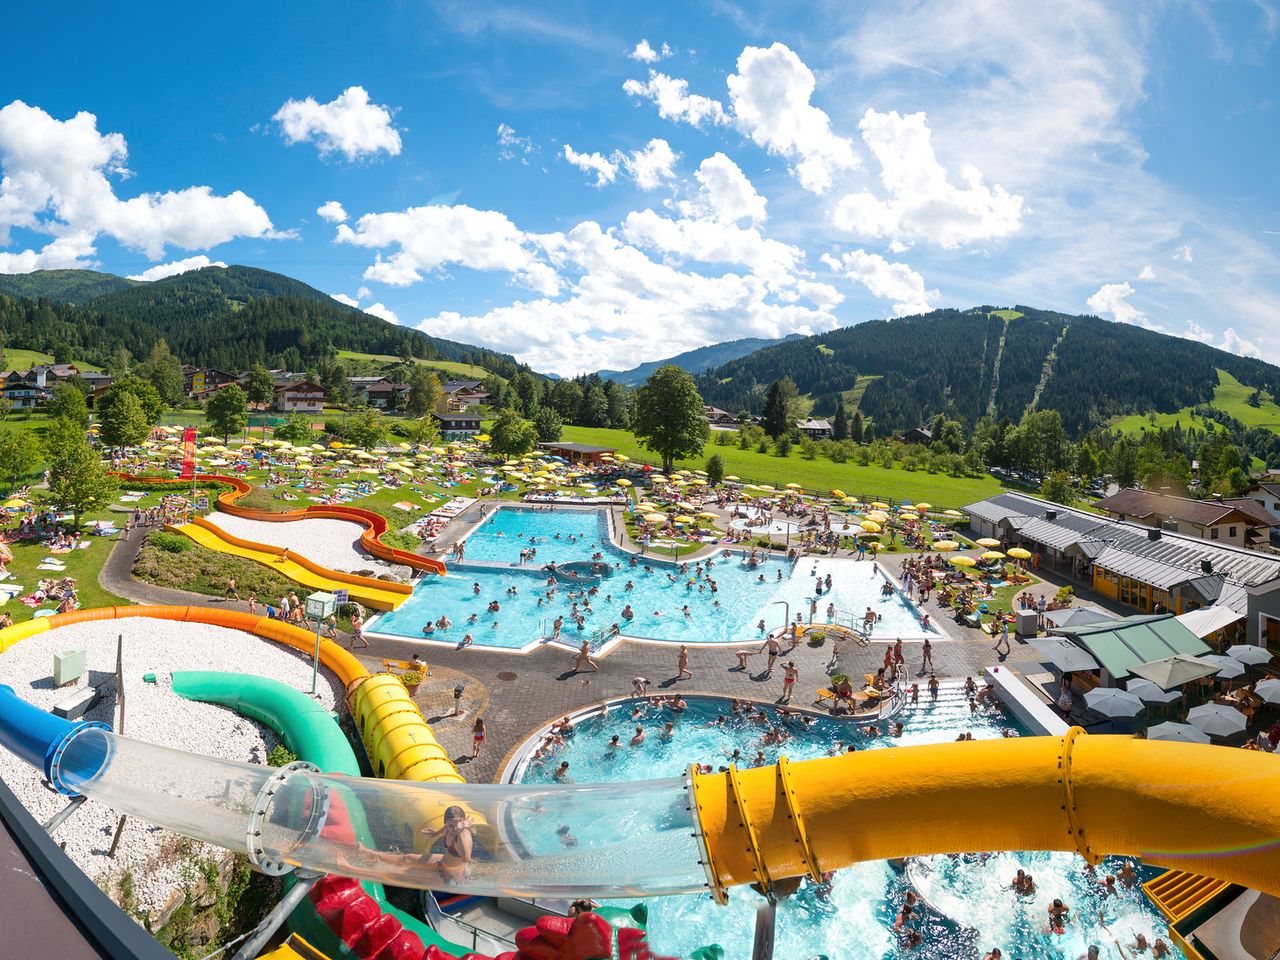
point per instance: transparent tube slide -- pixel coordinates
(600, 840)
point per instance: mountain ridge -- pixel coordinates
(698, 359)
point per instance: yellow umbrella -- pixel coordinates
(963, 561)
(875, 545)
(924, 506)
(621, 459)
(623, 483)
(732, 477)
(684, 519)
(793, 486)
(14, 504)
(655, 517)
(946, 545)
(1018, 553)
(765, 486)
(870, 526)
(988, 542)
(952, 513)
(707, 515)
(878, 516)
(993, 555)
(839, 494)
(483, 438)
(879, 506)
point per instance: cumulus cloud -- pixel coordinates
(922, 204)
(382, 312)
(770, 95)
(425, 239)
(646, 54)
(349, 124)
(58, 181)
(885, 279)
(1148, 273)
(1183, 253)
(1230, 341)
(726, 194)
(162, 270)
(1112, 299)
(512, 146)
(332, 211)
(649, 166)
(675, 102)
(605, 170)
(343, 298)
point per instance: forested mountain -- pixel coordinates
(971, 363)
(62, 286)
(695, 361)
(222, 317)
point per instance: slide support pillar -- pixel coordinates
(269, 924)
(766, 923)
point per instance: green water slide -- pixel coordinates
(311, 733)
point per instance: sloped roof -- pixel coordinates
(1121, 644)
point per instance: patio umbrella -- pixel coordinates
(1112, 702)
(1269, 691)
(838, 494)
(988, 542)
(848, 501)
(946, 545)
(1177, 732)
(1020, 553)
(732, 478)
(1076, 616)
(879, 506)
(1174, 671)
(1064, 654)
(1217, 720)
(993, 555)
(1229, 668)
(1250, 654)
(952, 513)
(870, 526)
(1148, 692)
(963, 561)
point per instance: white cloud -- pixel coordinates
(726, 195)
(57, 182)
(1183, 253)
(652, 165)
(710, 241)
(1148, 273)
(885, 279)
(349, 124)
(1113, 299)
(332, 211)
(162, 270)
(770, 95)
(646, 54)
(382, 312)
(922, 203)
(606, 170)
(349, 301)
(1234, 343)
(512, 146)
(428, 238)
(649, 166)
(674, 101)
(364, 293)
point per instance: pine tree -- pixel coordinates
(840, 422)
(856, 430)
(776, 416)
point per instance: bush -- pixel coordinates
(411, 678)
(401, 540)
(816, 639)
(280, 756)
(171, 542)
(1064, 595)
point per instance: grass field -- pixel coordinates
(15, 359)
(821, 474)
(450, 368)
(1231, 396)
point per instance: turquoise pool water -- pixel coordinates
(729, 612)
(854, 920)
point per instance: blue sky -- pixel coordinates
(595, 185)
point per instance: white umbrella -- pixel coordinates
(1179, 732)
(1269, 691)
(1250, 654)
(1217, 720)
(1231, 668)
(1148, 692)
(1113, 702)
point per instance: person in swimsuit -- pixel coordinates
(453, 862)
(477, 736)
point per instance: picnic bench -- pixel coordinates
(397, 667)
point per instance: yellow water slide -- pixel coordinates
(1206, 809)
(378, 594)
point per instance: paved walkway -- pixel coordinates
(517, 693)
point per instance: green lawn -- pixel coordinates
(1007, 314)
(1231, 396)
(16, 359)
(449, 367)
(815, 475)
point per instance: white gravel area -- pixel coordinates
(157, 858)
(331, 543)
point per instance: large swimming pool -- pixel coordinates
(971, 905)
(664, 603)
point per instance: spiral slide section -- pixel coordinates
(375, 525)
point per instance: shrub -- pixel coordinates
(171, 542)
(401, 540)
(411, 678)
(816, 639)
(1064, 595)
(280, 756)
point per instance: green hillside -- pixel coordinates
(991, 362)
(1230, 396)
(18, 359)
(377, 362)
(63, 286)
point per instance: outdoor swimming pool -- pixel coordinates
(971, 905)
(729, 613)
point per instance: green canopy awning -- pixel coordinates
(1121, 645)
